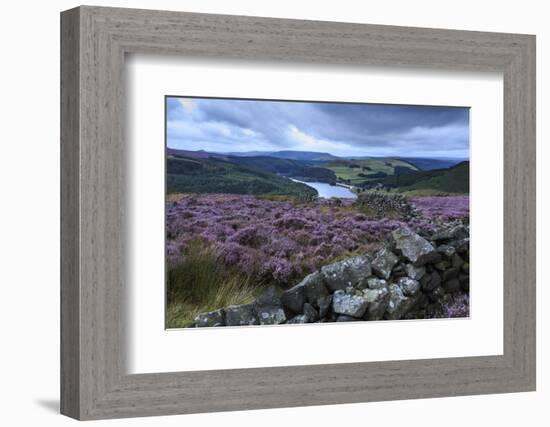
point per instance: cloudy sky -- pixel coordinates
(221, 125)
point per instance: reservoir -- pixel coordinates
(327, 191)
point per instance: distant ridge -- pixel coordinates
(422, 163)
(288, 154)
(200, 154)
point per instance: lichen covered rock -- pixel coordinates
(240, 315)
(409, 286)
(415, 273)
(211, 318)
(314, 287)
(384, 262)
(378, 300)
(349, 272)
(399, 304)
(376, 283)
(349, 304)
(270, 315)
(413, 247)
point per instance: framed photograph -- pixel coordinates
(273, 233)
(261, 213)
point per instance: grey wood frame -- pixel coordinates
(94, 41)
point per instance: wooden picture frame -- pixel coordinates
(94, 41)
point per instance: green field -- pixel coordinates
(352, 171)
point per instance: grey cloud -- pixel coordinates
(360, 129)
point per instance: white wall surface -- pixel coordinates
(29, 212)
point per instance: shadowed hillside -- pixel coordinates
(215, 175)
(453, 180)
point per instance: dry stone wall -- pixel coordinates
(411, 277)
(383, 204)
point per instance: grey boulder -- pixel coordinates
(430, 281)
(460, 232)
(294, 298)
(413, 247)
(441, 235)
(298, 319)
(269, 297)
(376, 283)
(349, 272)
(409, 286)
(399, 304)
(384, 262)
(270, 315)
(349, 304)
(310, 313)
(268, 307)
(462, 246)
(314, 287)
(324, 305)
(211, 318)
(415, 273)
(451, 233)
(446, 250)
(378, 300)
(308, 316)
(240, 315)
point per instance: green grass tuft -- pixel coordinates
(200, 283)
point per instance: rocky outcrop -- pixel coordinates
(409, 278)
(386, 205)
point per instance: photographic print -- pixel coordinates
(294, 212)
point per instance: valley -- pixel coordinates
(271, 174)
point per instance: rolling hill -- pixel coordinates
(430, 164)
(455, 179)
(269, 164)
(199, 154)
(216, 175)
(304, 170)
(202, 171)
